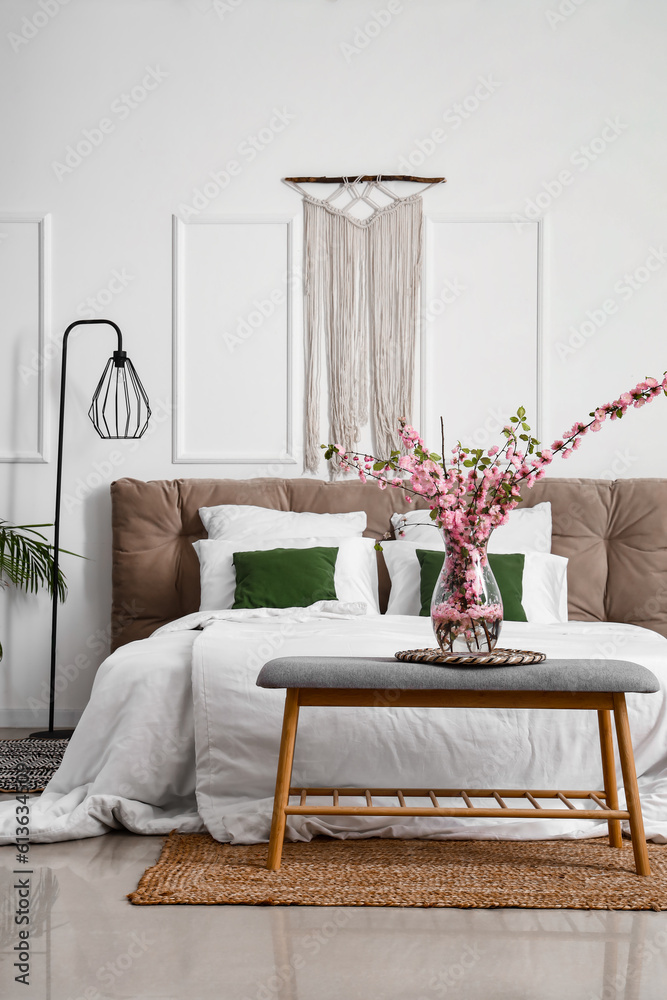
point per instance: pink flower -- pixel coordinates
(471, 500)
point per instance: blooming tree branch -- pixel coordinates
(475, 491)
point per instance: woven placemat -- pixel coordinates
(28, 765)
(496, 658)
(584, 875)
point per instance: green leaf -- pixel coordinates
(27, 561)
(378, 466)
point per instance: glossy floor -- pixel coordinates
(87, 941)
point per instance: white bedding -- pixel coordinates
(177, 735)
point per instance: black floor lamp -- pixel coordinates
(119, 410)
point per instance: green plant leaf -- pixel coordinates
(26, 559)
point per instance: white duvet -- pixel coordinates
(177, 735)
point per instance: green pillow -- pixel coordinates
(284, 578)
(507, 569)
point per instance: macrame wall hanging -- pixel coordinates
(362, 270)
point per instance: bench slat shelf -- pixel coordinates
(435, 809)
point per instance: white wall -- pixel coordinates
(553, 81)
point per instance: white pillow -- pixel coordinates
(527, 530)
(405, 575)
(544, 582)
(355, 575)
(544, 596)
(235, 521)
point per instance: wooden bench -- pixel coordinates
(598, 685)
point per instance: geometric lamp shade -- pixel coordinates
(120, 406)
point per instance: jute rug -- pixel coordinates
(28, 765)
(584, 875)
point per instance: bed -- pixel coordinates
(177, 736)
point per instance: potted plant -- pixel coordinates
(26, 560)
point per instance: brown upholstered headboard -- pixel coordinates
(614, 534)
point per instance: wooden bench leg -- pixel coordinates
(609, 775)
(283, 778)
(630, 783)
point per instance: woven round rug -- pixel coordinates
(496, 658)
(28, 765)
(584, 875)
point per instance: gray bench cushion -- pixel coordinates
(387, 673)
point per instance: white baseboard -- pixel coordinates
(26, 718)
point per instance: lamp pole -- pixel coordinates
(119, 360)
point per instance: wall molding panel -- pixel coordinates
(481, 348)
(25, 293)
(232, 340)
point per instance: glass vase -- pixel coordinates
(466, 608)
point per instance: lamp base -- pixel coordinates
(52, 734)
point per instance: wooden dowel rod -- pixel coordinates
(466, 799)
(367, 177)
(490, 812)
(566, 801)
(434, 800)
(401, 798)
(335, 796)
(448, 793)
(501, 803)
(369, 800)
(303, 797)
(599, 802)
(533, 801)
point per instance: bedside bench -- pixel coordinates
(334, 681)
